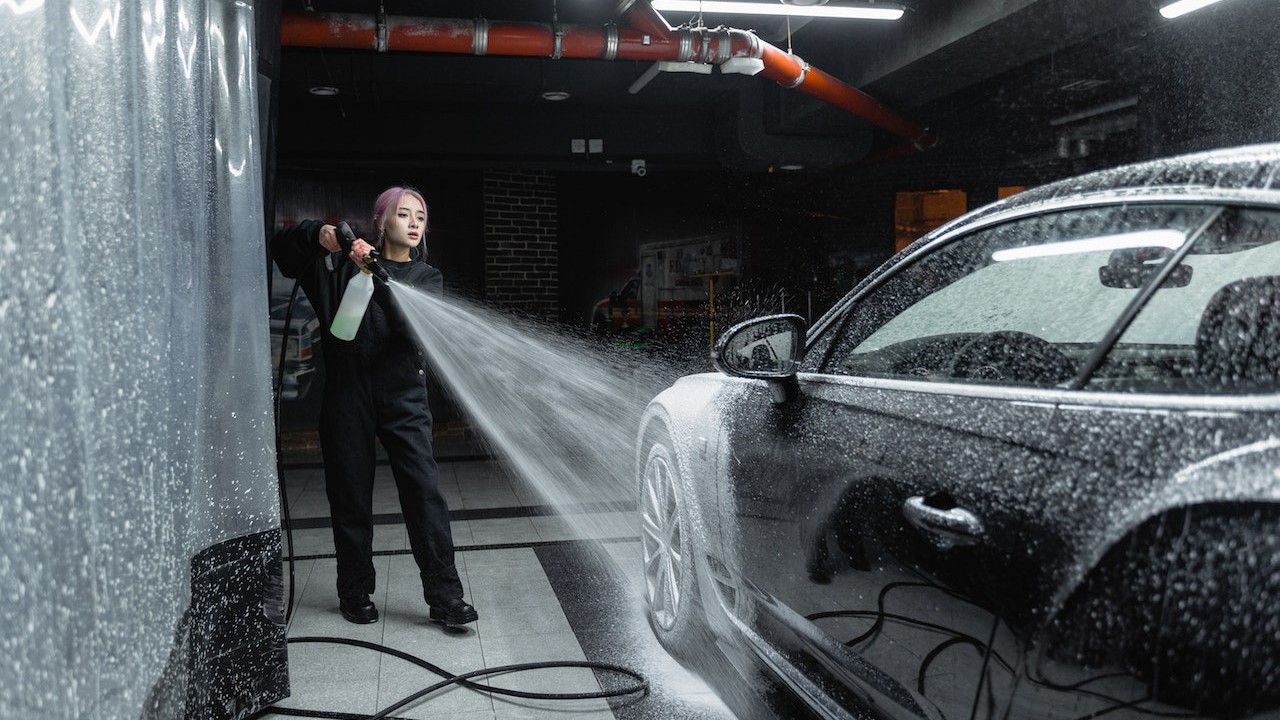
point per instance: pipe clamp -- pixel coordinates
(611, 37)
(480, 37)
(706, 54)
(804, 71)
(686, 45)
(381, 43)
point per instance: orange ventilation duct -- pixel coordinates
(645, 37)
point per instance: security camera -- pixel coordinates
(638, 169)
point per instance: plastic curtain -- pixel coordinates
(135, 391)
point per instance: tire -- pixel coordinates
(670, 550)
(672, 603)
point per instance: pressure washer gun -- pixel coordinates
(346, 238)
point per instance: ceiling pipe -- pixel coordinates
(790, 71)
(646, 37)
(641, 16)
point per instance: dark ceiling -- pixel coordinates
(1063, 76)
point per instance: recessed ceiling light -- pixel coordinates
(324, 90)
(555, 95)
(791, 166)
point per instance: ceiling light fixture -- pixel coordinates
(877, 11)
(1182, 7)
(555, 95)
(323, 90)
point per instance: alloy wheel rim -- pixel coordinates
(662, 538)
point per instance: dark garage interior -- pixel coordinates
(1017, 93)
(611, 187)
(805, 196)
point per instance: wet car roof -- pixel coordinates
(1255, 167)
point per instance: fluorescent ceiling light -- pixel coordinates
(1171, 239)
(1182, 7)
(857, 12)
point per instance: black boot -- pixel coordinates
(358, 609)
(454, 612)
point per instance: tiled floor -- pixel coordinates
(509, 550)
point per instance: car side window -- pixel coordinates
(1216, 329)
(1023, 303)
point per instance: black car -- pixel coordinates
(1029, 468)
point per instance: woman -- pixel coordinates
(376, 387)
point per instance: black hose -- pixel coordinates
(641, 686)
(880, 616)
(284, 494)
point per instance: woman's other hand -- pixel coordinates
(329, 238)
(329, 241)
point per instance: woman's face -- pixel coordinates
(403, 228)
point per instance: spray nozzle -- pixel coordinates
(372, 265)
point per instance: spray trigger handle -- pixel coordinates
(346, 238)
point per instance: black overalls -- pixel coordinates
(376, 386)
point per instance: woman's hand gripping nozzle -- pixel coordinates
(347, 238)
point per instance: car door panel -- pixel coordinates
(837, 556)
(1084, 662)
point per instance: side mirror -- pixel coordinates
(769, 348)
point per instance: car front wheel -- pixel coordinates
(671, 589)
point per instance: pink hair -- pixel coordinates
(387, 202)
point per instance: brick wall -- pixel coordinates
(522, 243)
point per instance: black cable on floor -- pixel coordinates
(641, 685)
(880, 617)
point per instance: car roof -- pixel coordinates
(1251, 168)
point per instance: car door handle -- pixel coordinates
(945, 528)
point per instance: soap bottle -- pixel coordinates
(354, 301)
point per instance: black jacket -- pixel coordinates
(384, 336)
